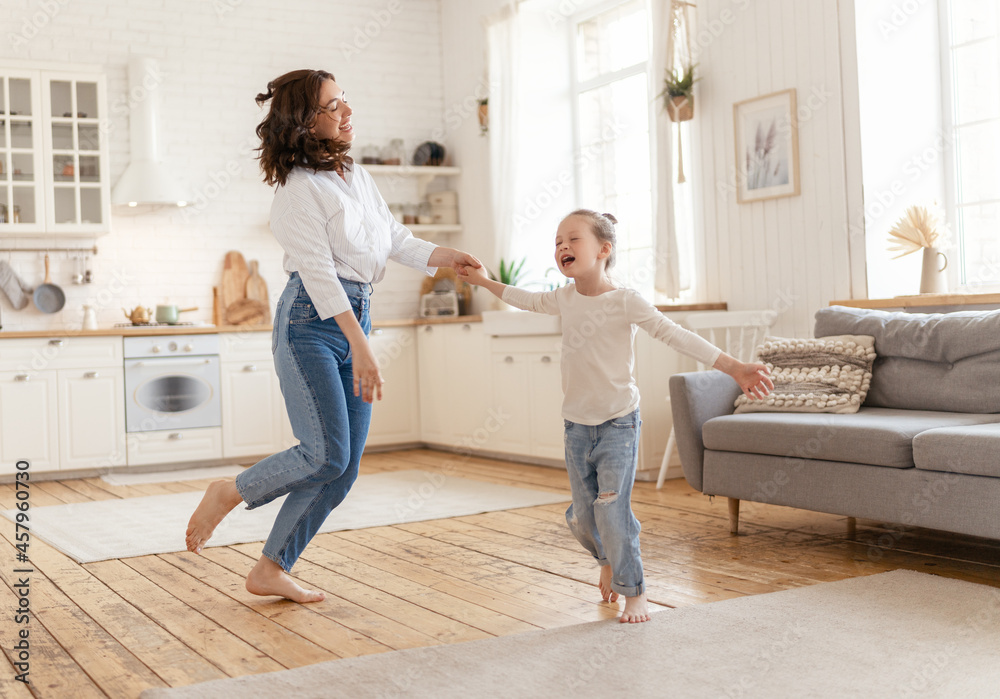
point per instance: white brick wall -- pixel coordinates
(216, 55)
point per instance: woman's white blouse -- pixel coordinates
(331, 228)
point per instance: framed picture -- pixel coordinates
(767, 147)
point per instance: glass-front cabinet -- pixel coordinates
(53, 154)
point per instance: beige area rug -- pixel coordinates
(122, 528)
(897, 634)
(187, 474)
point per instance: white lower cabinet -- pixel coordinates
(62, 403)
(29, 420)
(454, 370)
(249, 395)
(527, 396)
(396, 418)
(91, 418)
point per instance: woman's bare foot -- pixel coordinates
(607, 593)
(219, 500)
(636, 610)
(267, 578)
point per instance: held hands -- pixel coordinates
(473, 275)
(463, 261)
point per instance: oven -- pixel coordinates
(172, 382)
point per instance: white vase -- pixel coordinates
(932, 277)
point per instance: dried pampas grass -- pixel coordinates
(920, 228)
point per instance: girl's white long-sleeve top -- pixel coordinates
(597, 360)
(332, 227)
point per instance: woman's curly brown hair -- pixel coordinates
(285, 140)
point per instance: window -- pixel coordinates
(612, 138)
(971, 53)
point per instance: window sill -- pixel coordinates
(925, 301)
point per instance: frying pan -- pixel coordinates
(48, 297)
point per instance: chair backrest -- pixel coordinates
(736, 332)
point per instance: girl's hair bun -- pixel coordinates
(610, 217)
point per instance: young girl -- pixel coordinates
(600, 406)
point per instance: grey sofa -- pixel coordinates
(923, 450)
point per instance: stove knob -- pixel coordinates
(156, 349)
(172, 347)
(189, 347)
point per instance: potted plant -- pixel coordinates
(510, 273)
(484, 116)
(678, 93)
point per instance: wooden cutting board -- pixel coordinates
(256, 289)
(246, 312)
(234, 281)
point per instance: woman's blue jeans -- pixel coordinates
(313, 361)
(601, 461)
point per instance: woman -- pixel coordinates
(337, 234)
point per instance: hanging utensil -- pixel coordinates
(48, 297)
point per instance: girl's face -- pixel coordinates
(578, 250)
(334, 120)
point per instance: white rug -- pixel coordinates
(187, 474)
(122, 528)
(898, 634)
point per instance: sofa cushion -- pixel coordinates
(926, 361)
(876, 436)
(825, 375)
(973, 449)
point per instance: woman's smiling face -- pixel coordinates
(334, 119)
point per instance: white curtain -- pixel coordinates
(668, 276)
(502, 36)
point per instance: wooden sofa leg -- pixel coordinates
(852, 528)
(734, 515)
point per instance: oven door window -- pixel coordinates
(173, 394)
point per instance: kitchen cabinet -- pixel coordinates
(254, 421)
(454, 370)
(29, 420)
(63, 403)
(527, 394)
(53, 153)
(396, 418)
(91, 417)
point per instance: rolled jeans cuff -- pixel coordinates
(633, 591)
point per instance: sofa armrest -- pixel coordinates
(695, 398)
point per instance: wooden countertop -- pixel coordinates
(923, 300)
(146, 330)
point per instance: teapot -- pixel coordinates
(138, 315)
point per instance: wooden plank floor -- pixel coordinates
(115, 628)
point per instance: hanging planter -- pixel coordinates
(484, 116)
(680, 107)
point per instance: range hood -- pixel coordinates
(146, 181)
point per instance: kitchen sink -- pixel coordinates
(502, 323)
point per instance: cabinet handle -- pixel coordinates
(250, 367)
(378, 331)
(428, 328)
(546, 359)
(22, 377)
(91, 375)
(175, 436)
(56, 343)
(466, 326)
(508, 359)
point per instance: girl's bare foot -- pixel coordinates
(607, 593)
(636, 610)
(267, 578)
(219, 500)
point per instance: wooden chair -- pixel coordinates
(737, 333)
